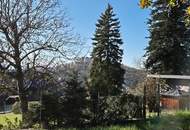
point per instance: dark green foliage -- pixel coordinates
(167, 52)
(74, 100)
(67, 108)
(106, 74)
(50, 111)
(131, 106)
(117, 109)
(1, 126)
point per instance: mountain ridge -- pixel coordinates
(132, 75)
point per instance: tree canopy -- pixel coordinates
(170, 4)
(168, 49)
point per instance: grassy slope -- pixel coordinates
(9, 116)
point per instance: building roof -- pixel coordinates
(172, 93)
(186, 77)
(178, 90)
(12, 97)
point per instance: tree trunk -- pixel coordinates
(144, 102)
(24, 107)
(22, 95)
(44, 124)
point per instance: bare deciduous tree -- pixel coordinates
(32, 33)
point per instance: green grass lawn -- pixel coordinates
(178, 121)
(10, 116)
(108, 128)
(171, 120)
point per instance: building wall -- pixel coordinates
(169, 103)
(176, 103)
(184, 103)
(5, 108)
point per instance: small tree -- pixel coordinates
(50, 110)
(74, 101)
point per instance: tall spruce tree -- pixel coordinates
(167, 52)
(106, 72)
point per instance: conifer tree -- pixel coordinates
(74, 101)
(106, 74)
(167, 52)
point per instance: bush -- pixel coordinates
(51, 113)
(116, 109)
(16, 108)
(33, 113)
(1, 126)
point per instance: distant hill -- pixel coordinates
(132, 75)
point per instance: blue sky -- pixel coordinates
(85, 13)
